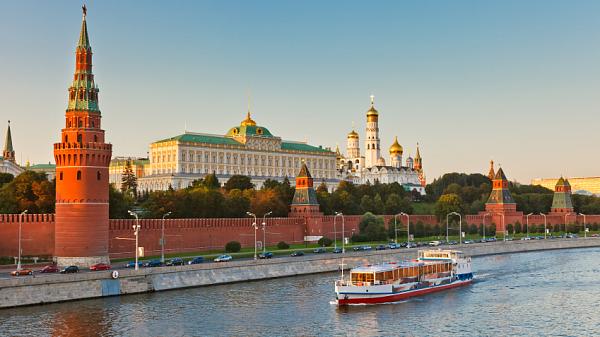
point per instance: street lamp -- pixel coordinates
(486, 214)
(459, 226)
(528, 223)
(567, 214)
(584, 226)
(407, 228)
(255, 228)
(162, 238)
(264, 228)
(136, 232)
(395, 228)
(545, 223)
(20, 220)
(335, 229)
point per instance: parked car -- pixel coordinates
(468, 242)
(337, 250)
(434, 243)
(393, 245)
(380, 247)
(176, 261)
(21, 272)
(411, 245)
(70, 270)
(49, 269)
(525, 238)
(320, 250)
(508, 238)
(492, 239)
(572, 236)
(265, 255)
(100, 266)
(196, 260)
(153, 263)
(223, 258)
(297, 253)
(131, 264)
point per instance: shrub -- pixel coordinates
(233, 247)
(282, 245)
(325, 242)
(360, 238)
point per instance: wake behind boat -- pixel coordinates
(434, 270)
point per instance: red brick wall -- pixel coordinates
(37, 234)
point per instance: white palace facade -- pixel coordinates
(247, 149)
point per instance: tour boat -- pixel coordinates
(434, 270)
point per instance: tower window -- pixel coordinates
(78, 175)
(95, 137)
(98, 175)
(80, 123)
(61, 176)
(79, 138)
(67, 138)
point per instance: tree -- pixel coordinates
(28, 191)
(118, 203)
(129, 180)
(367, 204)
(239, 182)
(6, 178)
(378, 205)
(236, 204)
(446, 204)
(373, 227)
(268, 201)
(233, 247)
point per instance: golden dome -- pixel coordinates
(372, 112)
(248, 121)
(353, 134)
(396, 148)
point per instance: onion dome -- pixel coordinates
(396, 148)
(248, 121)
(353, 134)
(372, 114)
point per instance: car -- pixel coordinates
(492, 239)
(49, 269)
(100, 266)
(508, 238)
(411, 245)
(153, 263)
(21, 272)
(131, 264)
(337, 250)
(223, 258)
(176, 261)
(452, 242)
(393, 245)
(380, 247)
(196, 260)
(320, 250)
(265, 255)
(468, 242)
(572, 236)
(70, 270)
(421, 244)
(434, 243)
(297, 253)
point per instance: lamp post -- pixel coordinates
(136, 232)
(545, 223)
(264, 228)
(395, 228)
(459, 226)
(335, 230)
(162, 238)
(20, 221)
(255, 228)
(407, 228)
(528, 223)
(584, 226)
(567, 214)
(486, 214)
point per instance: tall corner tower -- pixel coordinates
(8, 153)
(305, 203)
(500, 199)
(561, 202)
(372, 147)
(82, 159)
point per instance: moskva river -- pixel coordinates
(552, 293)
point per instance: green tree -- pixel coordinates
(239, 182)
(378, 206)
(28, 191)
(236, 204)
(446, 204)
(5, 178)
(373, 227)
(118, 203)
(129, 180)
(367, 204)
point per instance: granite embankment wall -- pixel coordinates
(56, 288)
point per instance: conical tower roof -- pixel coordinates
(304, 172)
(8, 147)
(560, 182)
(84, 40)
(500, 175)
(418, 155)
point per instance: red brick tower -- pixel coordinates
(562, 203)
(82, 158)
(305, 202)
(500, 205)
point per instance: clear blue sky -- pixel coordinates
(516, 81)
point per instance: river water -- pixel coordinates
(553, 293)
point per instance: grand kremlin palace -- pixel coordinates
(247, 149)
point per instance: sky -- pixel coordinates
(513, 81)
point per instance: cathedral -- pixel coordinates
(372, 167)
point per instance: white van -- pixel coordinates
(434, 243)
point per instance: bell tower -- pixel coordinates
(82, 159)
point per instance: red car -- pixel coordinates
(100, 266)
(22, 272)
(49, 269)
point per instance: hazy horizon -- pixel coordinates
(470, 81)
